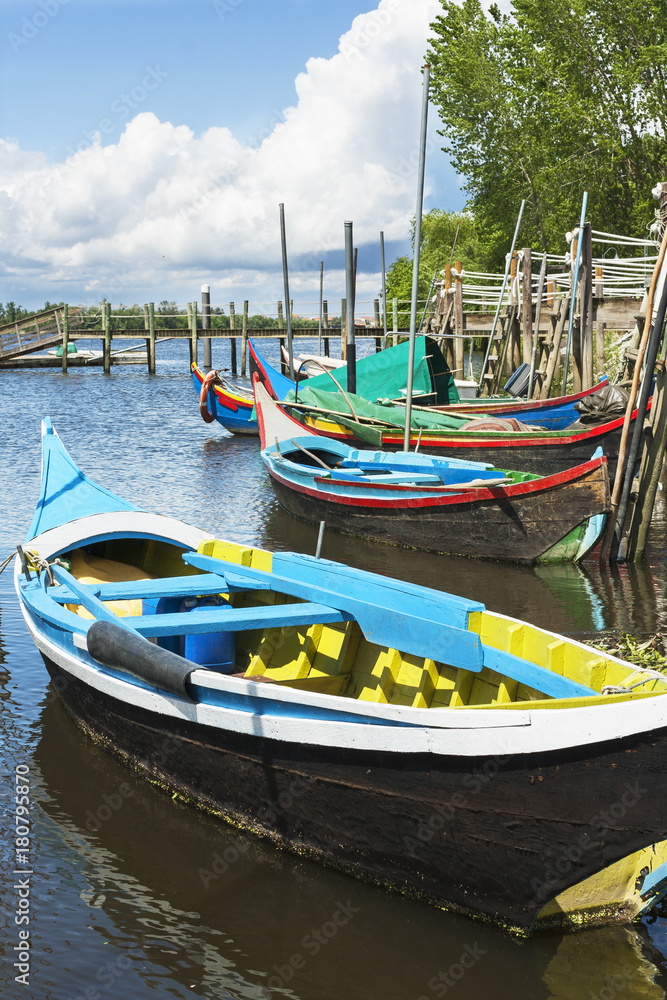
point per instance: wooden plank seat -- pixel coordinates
(388, 613)
(392, 614)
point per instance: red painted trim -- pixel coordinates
(498, 492)
(529, 406)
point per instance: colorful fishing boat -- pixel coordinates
(549, 414)
(436, 504)
(501, 440)
(230, 404)
(403, 735)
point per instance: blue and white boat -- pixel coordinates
(400, 734)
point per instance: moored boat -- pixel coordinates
(460, 756)
(231, 405)
(437, 504)
(499, 439)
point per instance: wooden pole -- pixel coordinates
(288, 302)
(351, 347)
(151, 338)
(106, 341)
(458, 318)
(527, 306)
(394, 319)
(610, 528)
(232, 338)
(587, 310)
(281, 339)
(600, 328)
(554, 358)
(343, 329)
(193, 333)
(325, 326)
(65, 338)
(206, 325)
(244, 336)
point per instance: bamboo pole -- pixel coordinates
(65, 337)
(244, 336)
(610, 529)
(106, 338)
(151, 338)
(575, 282)
(416, 257)
(500, 298)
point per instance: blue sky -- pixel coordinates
(145, 145)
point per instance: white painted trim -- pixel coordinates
(120, 522)
(459, 733)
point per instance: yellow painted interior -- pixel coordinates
(337, 659)
(614, 887)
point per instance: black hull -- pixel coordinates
(517, 529)
(495, 838)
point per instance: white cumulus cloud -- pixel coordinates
(163, 209)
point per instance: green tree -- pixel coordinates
(558, 97)
(442, 232)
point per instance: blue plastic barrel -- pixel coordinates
(213, 650)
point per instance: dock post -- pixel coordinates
(325, 326)
(343, 329)
(65, 337)
(458, 318)
(244, 336)
(232, 338)
(151, 338)
(587, 309)
(193, 335)
(206, 325)
(527, 306)
(106, 338)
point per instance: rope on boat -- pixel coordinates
(627, 687)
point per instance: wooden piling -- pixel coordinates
(458, 319)
(244, 336)
(600, 328)
(192, 317)
(553, 363)
(65, 337)
(232, 338)
(325, 326)
(151, 338)
(206, 325)
(106, 338)
(587, 379)
(281, 340)
(343, 329)
(527, 306)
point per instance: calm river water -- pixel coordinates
(135, 895)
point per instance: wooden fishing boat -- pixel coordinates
(231, 405)
(497, 440)
(400, 734)
(437, 504)
(550, 414)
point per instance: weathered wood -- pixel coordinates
(244, 337)
(458, 318)
(232, 342)
(553, 363)
(527, 306)
(599, 346)
(587, 377)
(151, 338)
(65, 337)
(106, 337)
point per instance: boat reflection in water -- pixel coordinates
(188, 902)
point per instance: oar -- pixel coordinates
(310, 454)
